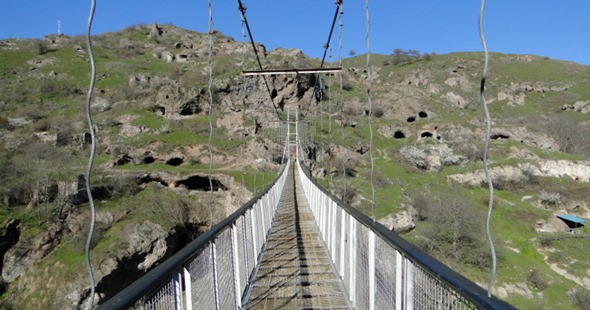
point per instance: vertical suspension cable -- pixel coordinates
(370, 104)
(92, 154)
(341, 103)
(244, 104)
(330, 83)
(486, 148)
(209, 88)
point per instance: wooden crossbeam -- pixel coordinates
(291, 71)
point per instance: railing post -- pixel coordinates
(409, 285)
(253, 230)
(188, 290)
(352, 260)
(236, 266)
(371, 270)
(215, 278)
(333, 232)
(342, 241)
(245, 247)
(177, 289)
(399, 287)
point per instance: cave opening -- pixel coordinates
(201, 183)
(174, 161)
(499, 136)
(399, 134)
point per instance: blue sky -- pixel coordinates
(557, 29)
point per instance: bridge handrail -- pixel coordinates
(476, 297)
(175, 267)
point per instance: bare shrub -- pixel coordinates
(455, 231)
(379, 179)
(572, 137)
(537, 280)
(348, 195)
(421, 204)
(546, 242)
(378, 112)
(471, 151)
(4, 123)
(581, 298)
(550, 199)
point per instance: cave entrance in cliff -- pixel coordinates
(201, 183)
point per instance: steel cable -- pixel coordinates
(486, 148)
(327, 45)
(242, 10)
(92, 154)
(341, 103)
(209, 87)
(244, 103)
(370, 104)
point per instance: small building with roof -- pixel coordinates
(572, 221)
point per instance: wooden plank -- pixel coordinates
(291, 71)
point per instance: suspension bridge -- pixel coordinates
(296, 246)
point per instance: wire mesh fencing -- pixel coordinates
(212, 271)
(380, 270)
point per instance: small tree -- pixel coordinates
(352, 53)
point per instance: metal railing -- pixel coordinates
(212, 271)
(379, 269)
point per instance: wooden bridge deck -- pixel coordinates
(296, 271)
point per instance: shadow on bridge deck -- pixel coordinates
(296, 271)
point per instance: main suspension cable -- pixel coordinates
(92, 154)
(327, 45)
(209, 88)
(242, 10)
(369, 77)
(486, 148)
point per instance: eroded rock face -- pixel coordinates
(29, 250)
(146, 244)
(577, 171)
(9, 236)
(432, 157)
(503, 174)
